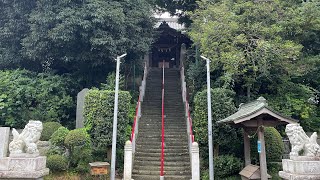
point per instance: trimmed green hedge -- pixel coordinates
(98, 113)
(48, 129)
(57, 163)
(58, 137)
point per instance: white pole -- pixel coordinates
(211, 167)
(115, 121)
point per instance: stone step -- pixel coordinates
(166, 159)
(166, 168)
(167, 154)
(166, 172)
(157, 163)
(156, 177)
(157, 148)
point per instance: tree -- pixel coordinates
(244, 39)
(75, 35)
(13, 27)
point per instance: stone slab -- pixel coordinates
(292, 176)
(301, 167)
(24, 174)
(22, 164)
(80, 107)
(4, 141)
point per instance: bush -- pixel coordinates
(227, 165)
(26, 95)
(274, 145)
(77, 137)
(48, 129)
(59, 136)
(98, 113)
(57, 162)
(222, 106)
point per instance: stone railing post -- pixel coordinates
(127, 171)
(195, 166)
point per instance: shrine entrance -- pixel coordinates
(167, 47)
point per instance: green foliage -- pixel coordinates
(48, 129)
(274, 146)
(111, 79)
(57, 163)
(80, 35)
(222, 106)
(243, 38)
(25, 95)
(58, 137)
(13, 27)
(227, 165)
(75, 144)
(98, 115)
(77, 137)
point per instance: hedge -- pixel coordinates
(98, 114)
(48, 129)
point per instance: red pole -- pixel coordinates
(162, 132)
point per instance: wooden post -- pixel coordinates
(247, 148)
(263, 160)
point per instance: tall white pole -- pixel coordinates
(115, 121)
(211, 165)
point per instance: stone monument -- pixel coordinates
(80, 107)
(304, 162)
(24, 161)
(4, 141)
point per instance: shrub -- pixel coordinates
(227, 165)
(59, 136)
(274, 145)
(98, 113)
(222, 106)
(48, 129)
(57, 162)
(77, 137)
(26, 95)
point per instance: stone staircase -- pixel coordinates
(146, 165)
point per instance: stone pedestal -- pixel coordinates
(300, 168)
(23, 167)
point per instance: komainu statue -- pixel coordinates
(26, 141)
(300, 142)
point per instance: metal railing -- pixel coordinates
(162, 127)
(193, 146)
(187, 109)
(137, 116)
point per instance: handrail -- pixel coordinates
(137, 116)
(162, 124)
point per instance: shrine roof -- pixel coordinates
(254, 109)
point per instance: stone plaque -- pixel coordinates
(80, 108)
(4, 141)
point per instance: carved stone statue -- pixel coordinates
(26, 141)
(300, 142)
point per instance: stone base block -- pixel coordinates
(291, 176)
(301, 167)
(24, 175)
(23, 168)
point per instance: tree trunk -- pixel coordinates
(216, 150)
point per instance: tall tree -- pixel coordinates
(244, 38)
(13, 27)
(86, 34)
